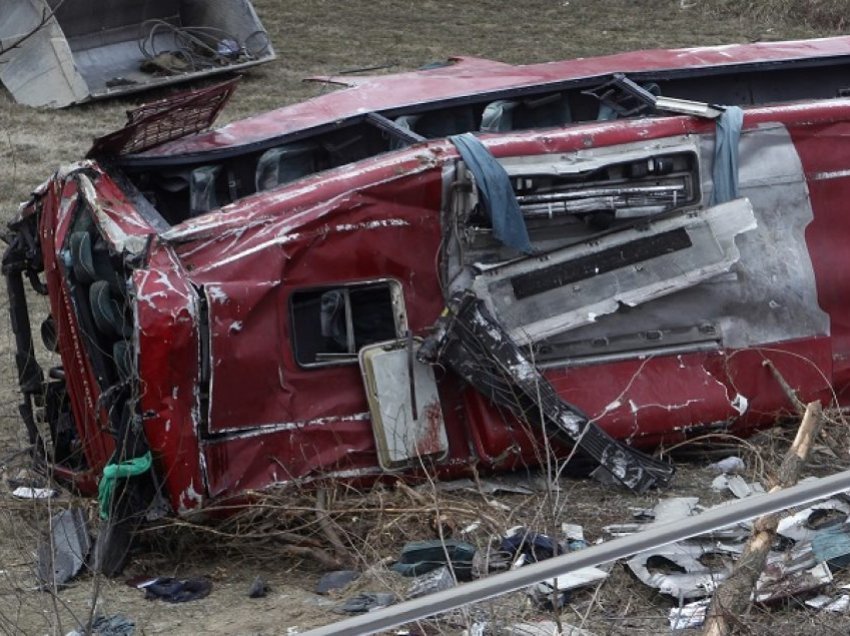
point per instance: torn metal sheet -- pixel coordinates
(804, 525)
(545, 628)
(692, 570)
(783, 580)
(837, 605)
(683, 570)
(81, 51)
(677, 509)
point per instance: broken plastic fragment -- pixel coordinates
(688, 616)
(421, 557)
(366, 602)
(728, 465)
(172, 590)
(736, 485)
(62, 556)
(435, 581)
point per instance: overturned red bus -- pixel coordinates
(356, 286)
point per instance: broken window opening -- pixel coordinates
(331, 324)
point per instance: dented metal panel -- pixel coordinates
(541, 296)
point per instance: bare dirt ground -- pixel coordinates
(328, 37)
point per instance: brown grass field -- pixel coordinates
(326, 37)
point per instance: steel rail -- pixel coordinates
(619, 548)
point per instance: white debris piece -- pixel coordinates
(25, 492)
(730, 465)
(688, 616)
(572, 531)
(736, 485)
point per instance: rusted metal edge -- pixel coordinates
(735, 512)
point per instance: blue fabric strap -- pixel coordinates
(725, 170)
(496, 192)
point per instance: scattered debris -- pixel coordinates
(737, 485)
(64, 553)
(173, 590)
(421, 557)
(520, 546)
(366, 602)
(734, 595)
(592, 556)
